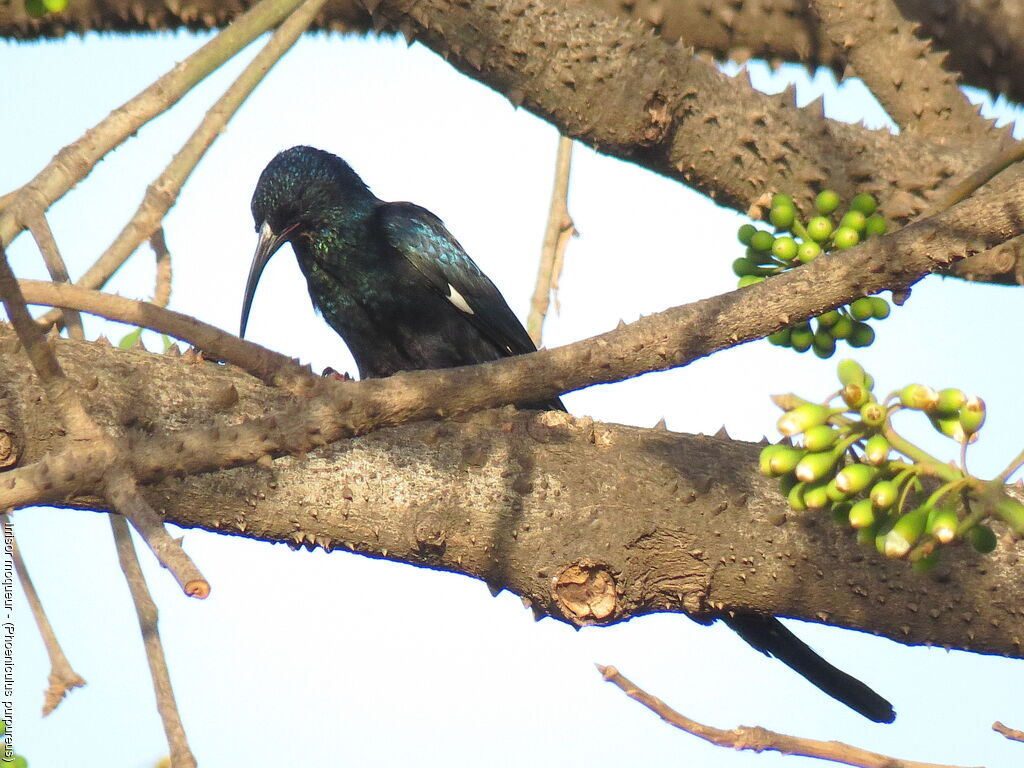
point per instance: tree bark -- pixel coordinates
(590, 523)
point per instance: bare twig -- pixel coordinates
(162, 293)
(1010, 733)
(145, 609)
(760, 739)
(76, 160)
(963, 189)
(559, 229)
(163, 192)
(62, 677)
(47, 245)
(118, 485)
(264, 364)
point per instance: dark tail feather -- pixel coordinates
(768, 635)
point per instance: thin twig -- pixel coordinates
(75, 161)
(1010, 733)
(55, 265)
(62, 677)
(963, 189)
(162, 292)
(760, 739)
(118, 486)
(556, 236)
(163, 192)
(264, 364)
(145, 609)
(1013, 466)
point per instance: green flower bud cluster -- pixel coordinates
(795, 243)
(39, 8)
(848, 459)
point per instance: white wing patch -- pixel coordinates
(459, 300)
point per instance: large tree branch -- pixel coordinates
(590, 523)
(667, 340)
(986, 44)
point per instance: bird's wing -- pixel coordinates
(422, 239)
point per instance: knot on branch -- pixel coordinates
(586, 592)
(431, 534)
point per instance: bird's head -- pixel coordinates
(301, 191)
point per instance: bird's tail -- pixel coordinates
(768, 635)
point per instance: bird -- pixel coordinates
(394, 283)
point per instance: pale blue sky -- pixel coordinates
(311, 659)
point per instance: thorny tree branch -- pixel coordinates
(62, 677)
(678, 522)
(118, 485)
(986, 43)
(760, 739)
(146, 611)
(658, 342)
(901, 70)
(559, 229)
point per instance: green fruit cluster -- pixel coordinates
(795, 243)
(847, 459)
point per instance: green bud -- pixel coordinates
(763, 258)
(883, 494)
(905, 532)
(784, 460)
(808, 252)
(876, 225)
(854, 478)
(742, 267)
(845, 237)
(919, 397)
(876, 451)
(972, 415)
(780, 200)
(869, 381)
(828, 319)
(820, 438)
(819, 229)
(950, 402)
(762, 241)
(982, 538)
(850, 372)
(795, 497)
(824, 344)
(854, 395)
(872, 414)
(843, 327)
(863, 203)
(782, 216)
(802, 338)
(780, 338)
(802, 418)
(1012, 511)
(816, 496)
(861, 309)
(841, 512)
(35, 8)
(949, 426)
(784, 248)
(942, 524)
(745, 233)
(826, 201)
(862, 335)
(833, 492)
(815, 466)
(855, 220)
(879, 307)
(862, 514)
